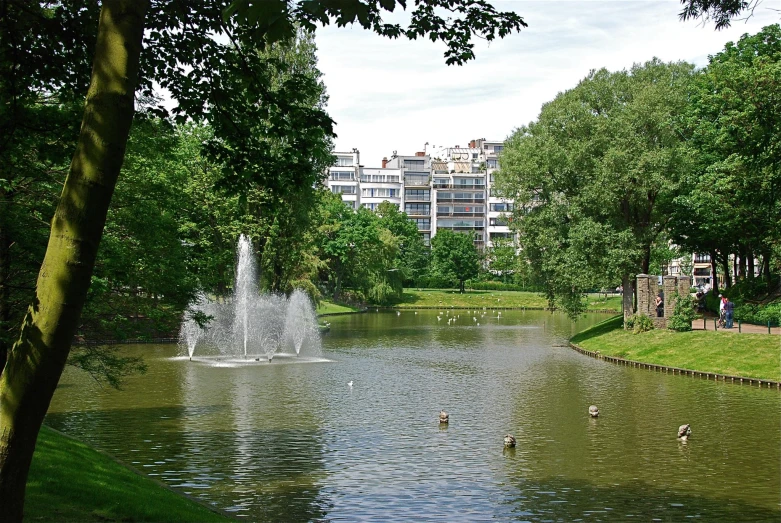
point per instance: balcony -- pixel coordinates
(480, 187)
(460, 214)
(416, 181)
(417, 198)
(460, 200)
(380, 178)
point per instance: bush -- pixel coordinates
(683, 313)
(639, 323)
(759, 314)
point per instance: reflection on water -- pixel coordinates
(293, 442)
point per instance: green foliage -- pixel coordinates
(452, 22)
(729, 202)
(759, 314)
(721, 12)
(412, 260)
(359, 252)
(638, 323)
(496, 286)
(683, 313)
(593, 177)
(454, 257)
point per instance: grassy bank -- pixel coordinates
(71, 482)
(414, 298)
(746, 355)
(326, 307)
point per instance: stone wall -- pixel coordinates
(648, 288)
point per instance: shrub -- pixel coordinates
(683, 313)
(639, 323)
(759, 314)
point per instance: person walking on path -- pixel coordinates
(729, 308)
(722, 311)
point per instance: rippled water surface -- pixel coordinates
(292, 442)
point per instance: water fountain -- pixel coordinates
(251, 325)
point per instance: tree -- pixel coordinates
(180, 52)
(412, 261)
(454, 257)
(732, 201)
(594, 176)
(722, 12)
(502, 257)
(359, 252)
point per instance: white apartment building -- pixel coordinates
(451, 188)
(343, 177)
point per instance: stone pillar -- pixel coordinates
(643, 298)
(684, 285)
(670, 286)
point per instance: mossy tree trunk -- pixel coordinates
(627, 298)
(36, 360)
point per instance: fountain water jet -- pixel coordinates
(253, 324)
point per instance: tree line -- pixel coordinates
(627, 165)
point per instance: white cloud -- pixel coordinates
(388, 95)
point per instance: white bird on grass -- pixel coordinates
(350, 384)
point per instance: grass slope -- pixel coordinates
(326, 307)
(71, 482)
(415, 298)
(746, 355)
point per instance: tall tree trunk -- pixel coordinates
(338, 286)
(36, 360)
(714, 271)
(725, 268)
(766, 266)
(627, 299)
(742, 263)
(5, 290)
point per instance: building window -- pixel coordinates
(497, 222)
(344, 161)
(380, 193)
(343, 189)
(342, 175)
(417, 194)
(417, 208)
(424, 224)
(501, 207)
(416, 179)
(498, 148)
(415, 164)
(492, 163)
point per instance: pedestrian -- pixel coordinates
(722, 310)
(729, 309)
(659, 306)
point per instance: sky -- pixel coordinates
(397, 95)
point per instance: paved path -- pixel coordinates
(744, 328)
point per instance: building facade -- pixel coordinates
(449, 188)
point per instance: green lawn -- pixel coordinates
(71, 482)
(414, 298)
(746, 355)
(327, 307)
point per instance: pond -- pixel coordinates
(293, 442)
